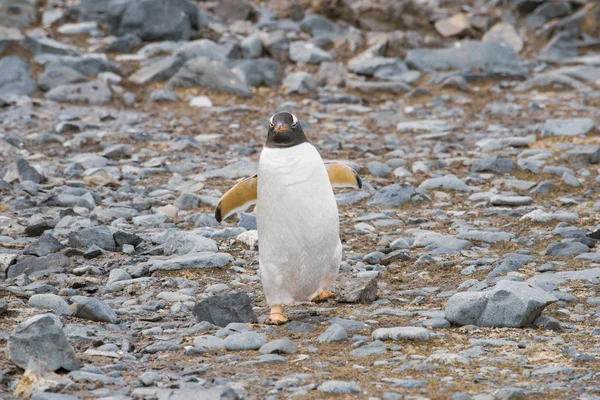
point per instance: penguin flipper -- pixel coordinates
(341, 175)
(238, 198)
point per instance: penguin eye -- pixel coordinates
(294, 120)
(294, 124)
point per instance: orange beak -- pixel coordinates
(281, 128)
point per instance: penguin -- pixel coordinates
(300, 250)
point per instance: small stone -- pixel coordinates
(568, 127)
(379, 169)
(401, 333)
(298, 326)
(50, 301)
(353, 290)
(393, 195)
(339, 387)
(279, 346)
(201, 102)
(376, 347)
(223, 309)
(504, 33)
(333, 334)
(27, 172)
(457, 24)
(93, 309)
(245, 341)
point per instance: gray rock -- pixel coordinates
(50, 301)
(117, 275)
(258, 72)
(42, 339)
(94, 92)
(54, 396)
(376, 347)
(100, 236)
(15, 78)
(158, 71)
(3, 309)
(339, 387)
(245, 341)
(299, 83)
(499, 200)
(251, 46)
(379, 169)
(307, 52)
(187, 201)
(566, 249)
(95, 378)
(401, 333)
(279, 346)
(504, 33)
(488, 237)
(393, 195)
(206, 73)
(385, 68)
(182, 242)
(582, 155)
(208, 342)
(355, 290)
(334, 333)
(494, 163)
(192, 260)
(89, 65)
(41, 44)
(162, 95)
(27, 172)
(298, 326)
(93, 309)
(18, 13)
(508, 304)
(225, 309)
(124, 44)
(59, 76)
(154, 19)
(447, 182)
(30, 265)
(47, 244)
(332, 73)
(568, 127)
(436, 240)
(490, 58)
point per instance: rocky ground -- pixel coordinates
(471, 266)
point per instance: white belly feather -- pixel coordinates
(298, 225)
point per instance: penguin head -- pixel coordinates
(285, 131)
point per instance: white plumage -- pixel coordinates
(298, 225)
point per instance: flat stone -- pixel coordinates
(298, 326)
(222, 310)
(279, 346)
(333, 334)
(245, 341)
(50, 301)
(374, 348)
(339, 387)
(447, 182)
(393, 195)
(499, 200)
(184, 242)
(401, 333)
(192, 261)
(568, 127)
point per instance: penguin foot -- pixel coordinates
(277, 316)
(323, 296)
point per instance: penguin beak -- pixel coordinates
(281, 127)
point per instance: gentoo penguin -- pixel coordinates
(296, 214)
